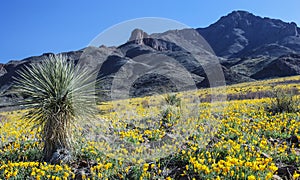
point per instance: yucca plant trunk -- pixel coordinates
(57, 136)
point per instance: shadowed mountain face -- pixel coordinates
(248, 48)
(287, 65)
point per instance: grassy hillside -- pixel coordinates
(221, 133)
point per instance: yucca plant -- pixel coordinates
(57, 94)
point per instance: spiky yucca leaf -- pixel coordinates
(58, 94)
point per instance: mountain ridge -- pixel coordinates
(247, 47)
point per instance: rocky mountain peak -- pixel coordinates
(243, 20)
(138, 35)
(239, 14)
(241, 32)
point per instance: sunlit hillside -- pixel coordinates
(228, 132)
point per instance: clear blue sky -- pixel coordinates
(33, 27)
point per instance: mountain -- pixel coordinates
(243, 46)
(242, 34)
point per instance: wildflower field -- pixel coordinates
(187, 138)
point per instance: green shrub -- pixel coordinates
(169, 116)
(172, 100)
(283, 100)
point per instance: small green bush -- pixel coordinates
(172, 100)
(283, 100)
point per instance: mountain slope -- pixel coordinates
(287, 65)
